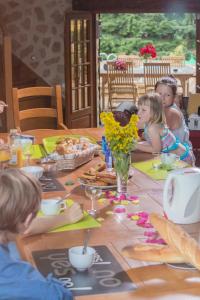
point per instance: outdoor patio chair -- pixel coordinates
(121, 85)
(135, 59)
(35, 95)
(193, 104)
(153, 72)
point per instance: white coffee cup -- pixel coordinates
(81, 261)
(51, 207)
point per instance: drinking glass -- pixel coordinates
(4, 155)
(26, 148)
(156, 160)
(93, 193)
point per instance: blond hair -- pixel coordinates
(154, 101)
(20, 195)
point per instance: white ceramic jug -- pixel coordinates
(181, 196)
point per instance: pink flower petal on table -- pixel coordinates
(111, 197)
(141, 221)
(134, 197)
(156, 241)
(147, 225)
(161, 241)
(150, 233)
(119, 210)
(122, 197)
(143, 214)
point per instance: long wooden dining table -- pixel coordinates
(153, 280)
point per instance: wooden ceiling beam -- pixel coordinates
(137, 6)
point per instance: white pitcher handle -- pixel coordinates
(166, 202)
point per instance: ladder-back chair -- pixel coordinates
(135, 59)
(36, 93)
(121, 85)
(153, 72)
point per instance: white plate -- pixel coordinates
(104, 187)
(182, 266)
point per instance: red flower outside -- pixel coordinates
(148, 51)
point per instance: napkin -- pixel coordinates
(157, 173)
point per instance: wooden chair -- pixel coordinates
(193, 104)
(153, 72)
(121, 85)
(135, 59)
(21, 96)
(175, 61)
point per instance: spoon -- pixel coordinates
(85, 243)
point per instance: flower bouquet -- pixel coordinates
(148, 51)
(120, 65)
(122, 140)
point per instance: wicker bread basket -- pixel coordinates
(72, 163)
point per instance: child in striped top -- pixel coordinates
(158, 136)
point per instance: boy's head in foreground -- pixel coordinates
(19, 202)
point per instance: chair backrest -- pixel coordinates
(193, 104)
(120, 77)
(175, 61)
(135, 59)
(153, 72)
(25, 94)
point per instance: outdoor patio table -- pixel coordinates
(181, 73)
(154, 281)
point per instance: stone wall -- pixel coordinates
(37, 31)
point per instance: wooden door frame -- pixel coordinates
(137, 6)
(93, 72)
(147, 6)
(7, 75)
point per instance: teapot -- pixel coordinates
(181, 196)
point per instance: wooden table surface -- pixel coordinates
(154, 281)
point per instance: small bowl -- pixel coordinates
(35, 171)
(80, 261)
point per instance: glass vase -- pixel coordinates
(122, 162)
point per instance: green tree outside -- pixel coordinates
(171, 34)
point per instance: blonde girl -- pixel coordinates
(157, 135)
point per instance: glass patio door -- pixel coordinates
(80, 70)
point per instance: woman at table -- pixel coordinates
(166, 87)
(159, 138)
(19, 203)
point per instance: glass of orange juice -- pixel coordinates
(4, 155)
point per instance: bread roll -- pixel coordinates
(100, 166)
(154, 253)
(179, 240)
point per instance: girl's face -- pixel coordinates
(144, 114)
(166, 94)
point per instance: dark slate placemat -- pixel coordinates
(105, 276)
(50, 183)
